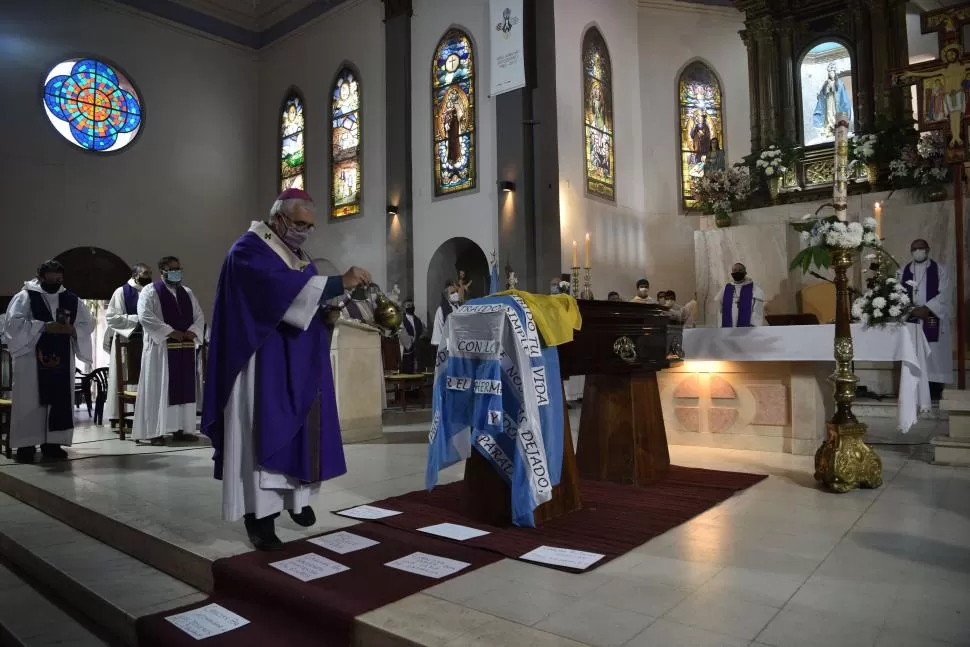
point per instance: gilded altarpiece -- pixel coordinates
(810, 58)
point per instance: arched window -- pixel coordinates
(701, 127)
(825, 78)
(92, 104)
(453, 103)
(345, 167)
(598, 116)
(292, 158)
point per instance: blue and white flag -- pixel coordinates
(496, 388)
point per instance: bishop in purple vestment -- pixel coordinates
(269, 405)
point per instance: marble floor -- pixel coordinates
(782, 564)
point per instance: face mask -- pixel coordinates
(359, 294)
(293, 238)
(920, 255)
(643, 292)
(50, 288)
(738, 276)
(668, 302)
(409, 309)
(553, 289)
(454, 297)
(173, 276)
(143, 281)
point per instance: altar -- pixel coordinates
(766, 388)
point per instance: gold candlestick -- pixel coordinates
(575, 282)
(587, 293)
(844, 461)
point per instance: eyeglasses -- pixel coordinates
(298, 226)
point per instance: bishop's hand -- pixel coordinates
(354, 277)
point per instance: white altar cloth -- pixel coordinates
(905, 344)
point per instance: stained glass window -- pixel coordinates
(345, 168)
(92, 104)
(453, 102)
(598, 116)
(701, 128)
(292, 159)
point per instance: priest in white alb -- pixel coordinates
(47, 330)
(121, 317)
(742, 302)
(928, 284)
(173, 325)
(269, 405)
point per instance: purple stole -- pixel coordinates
(177, 313)
(53, 352)
(354, 310)
(131, 299)
(409, 364)
(745, 305)
(931, 325)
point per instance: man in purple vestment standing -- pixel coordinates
(269, 405)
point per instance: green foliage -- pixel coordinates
(820, 257)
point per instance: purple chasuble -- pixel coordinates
(745, 306)
(295, 428)
(131, 299)
(931, 325)
(54, 378)
(177, 313)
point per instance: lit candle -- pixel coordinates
(575, 254)
(587, 250)
(877, 208)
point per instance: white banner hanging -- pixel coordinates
(508, 55)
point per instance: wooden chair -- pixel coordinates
(128, 361)
(6, 399)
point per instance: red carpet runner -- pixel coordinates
(614, 519)
(283, 611)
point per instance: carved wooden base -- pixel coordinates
(622, 437)
(844, 461)
(489, 499)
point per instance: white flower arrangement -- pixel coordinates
(887, 303)
(863, 147)
(770, 162)
(822, 235)
(722, 191)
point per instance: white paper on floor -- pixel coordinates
(207, 621)
(343, 542)
(368, 512)
(309, 567)
(453, 531)
(428, 565)
(566, 557)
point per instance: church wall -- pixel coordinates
(471, 214)
(671, 37)
(309, 59)
(186, 186)
(618, 229)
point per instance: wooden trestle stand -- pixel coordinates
(620, 349)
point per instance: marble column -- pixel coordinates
(753, 88)
(787, 84)
(397, 82)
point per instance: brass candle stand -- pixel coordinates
(844, 461)
(575, 282)
(587, 293)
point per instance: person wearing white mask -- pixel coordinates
(173, 325)
(643, 292)
(559, 284)
(928, 284)
(742, 302)
(450, 299)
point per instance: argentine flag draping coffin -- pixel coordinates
(498, 389)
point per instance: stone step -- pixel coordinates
(951, 451)
(29, 617)
(888, 408)
(106, 586)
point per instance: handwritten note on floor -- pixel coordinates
(343, 542)
(309, 567)
(205, 622)
(368, 512)
(428, 565)
(578, 559)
